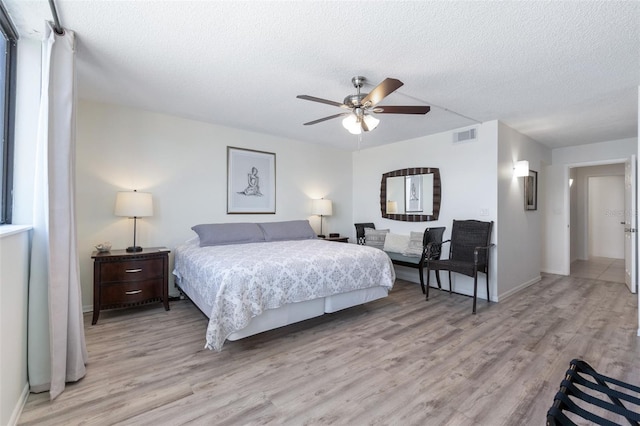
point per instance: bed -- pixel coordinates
(247, 282)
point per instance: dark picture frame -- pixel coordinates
(531, 191)
(251, 181)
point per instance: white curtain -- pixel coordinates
(56, 347)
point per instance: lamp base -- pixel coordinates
(134, 249)
(322, 236)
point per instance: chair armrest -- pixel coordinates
(426, 252)
(475, 251)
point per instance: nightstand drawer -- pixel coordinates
(131, 292)
(132, 270)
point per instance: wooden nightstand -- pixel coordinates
(123, 279)
(337, 239)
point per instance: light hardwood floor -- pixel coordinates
(399, 361)
(599, 268)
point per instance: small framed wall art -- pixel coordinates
(531, 191)
(251, 181)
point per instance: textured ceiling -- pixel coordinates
(563, 73)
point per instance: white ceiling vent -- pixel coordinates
(465, 135)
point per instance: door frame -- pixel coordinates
(567, 204)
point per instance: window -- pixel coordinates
(8, 48)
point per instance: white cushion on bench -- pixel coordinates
(396, 243)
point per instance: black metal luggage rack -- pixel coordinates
(583, 383)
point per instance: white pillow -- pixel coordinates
(396, 243)
(414, 248)
(375, 237)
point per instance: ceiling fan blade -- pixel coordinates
(381, 91)
(320, 120)
(418, 109)
(323, 101)
(364, 126)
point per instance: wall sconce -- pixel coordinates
(133, 204)
(321, 208)
(521, 168)
(392, 207)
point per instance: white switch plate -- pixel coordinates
(484, 212)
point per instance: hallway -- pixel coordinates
(600, 268)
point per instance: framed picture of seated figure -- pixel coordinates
(531, 191)
(413, 194)
(251, 181)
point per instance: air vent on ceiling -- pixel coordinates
(465, 135)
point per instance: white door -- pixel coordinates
(630, 224)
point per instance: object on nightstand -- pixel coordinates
(321, 208)
(133, 204)
(338, 239)
(103, 247)
(334, 235)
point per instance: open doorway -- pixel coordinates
(597, 231)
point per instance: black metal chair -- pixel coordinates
(429, 252)
(468, 253)
(360, 231)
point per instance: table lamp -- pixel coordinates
(321, 208)
(133, 204)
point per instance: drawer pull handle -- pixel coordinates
(129, 271)
(133, 292)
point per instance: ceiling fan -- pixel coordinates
(362, 106)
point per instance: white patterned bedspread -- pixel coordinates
(241, 281)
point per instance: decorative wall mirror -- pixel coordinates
(411, 195)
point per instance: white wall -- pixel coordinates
(14, 276)
(576, 235)
(183, 163)
(520, 237)
(595, 152)
(556, 253)
(468, 172)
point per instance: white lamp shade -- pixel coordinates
(133, 204)
(371, 121)
(322, 207)
(350, 123)
(521, 168)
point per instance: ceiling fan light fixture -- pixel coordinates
(351, 123)
(362, 105)
(371, 121)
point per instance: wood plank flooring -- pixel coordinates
(400, 360)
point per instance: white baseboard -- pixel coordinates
(550, 271)
(15, 415)
(408, 274)
(520, 287)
